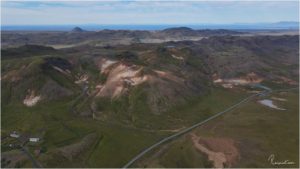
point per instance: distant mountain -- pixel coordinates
(286, 24)
(95, 27)
(77, 29)
(179, 31)
(75, 36)
(186, 31)
(207, 32)
(259, 26)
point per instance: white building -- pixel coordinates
(14, 134)
(34, 139)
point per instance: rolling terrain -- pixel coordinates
(95, 96)
(78, 36)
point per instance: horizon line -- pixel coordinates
(150, 24)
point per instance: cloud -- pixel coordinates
(145, 12)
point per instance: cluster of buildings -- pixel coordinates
(24, 138)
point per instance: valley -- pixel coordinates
(98, 99)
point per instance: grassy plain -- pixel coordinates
(258, 131)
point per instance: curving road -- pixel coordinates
(197, 124)
(35, 163)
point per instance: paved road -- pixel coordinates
(35, 163)
(196, 125)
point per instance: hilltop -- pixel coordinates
(77, 29)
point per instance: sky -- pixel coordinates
(146, 12)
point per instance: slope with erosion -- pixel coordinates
(38, 79)
(151, 89)
(264, 55)
(127, 81)
(139, 86)
(113, 76)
